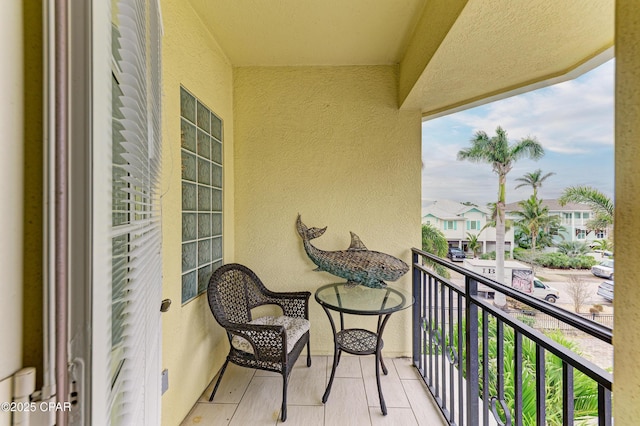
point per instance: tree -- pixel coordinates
(534, 180)
(604, 246)
(473, 244)
(491, 221)
(601, 205)
(532, 217)
(578, 292)
(501, 155)
(434, 242)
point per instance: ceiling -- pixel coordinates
(311, 32)
(450, 54)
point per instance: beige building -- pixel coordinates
(311, 107)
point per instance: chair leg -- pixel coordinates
(285, 381)
(309, 354)
(215, 388)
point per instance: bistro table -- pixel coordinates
(360, 300)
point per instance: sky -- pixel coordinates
(573, 121)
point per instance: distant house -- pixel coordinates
(573, 217)
(456, 219)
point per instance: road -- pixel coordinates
(559, 279)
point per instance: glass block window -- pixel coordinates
(201, 152)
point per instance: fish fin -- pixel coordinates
(318, 269)
(351, 284)
(356, 243)
(315, 232)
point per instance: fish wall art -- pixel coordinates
(357, 264)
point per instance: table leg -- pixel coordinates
(379, 363)
(336, 357)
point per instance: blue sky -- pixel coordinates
(572, 120)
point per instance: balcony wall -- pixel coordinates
(328, 143)
(627, 198)
(194, 347)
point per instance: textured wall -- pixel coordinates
(328, 143)
(627, 233)
(194, 346)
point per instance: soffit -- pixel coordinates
(495, 48)
(310, 32)
(500, 46)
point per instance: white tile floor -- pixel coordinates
(249, 397)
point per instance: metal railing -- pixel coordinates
(485, 366)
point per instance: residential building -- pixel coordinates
(318, 107)
(456, 220)
(573, 218)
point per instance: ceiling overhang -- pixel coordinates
(451, 54)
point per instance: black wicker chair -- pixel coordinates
(233, 291)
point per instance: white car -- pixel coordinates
(543, 291)
(604, 269)
(606, 290)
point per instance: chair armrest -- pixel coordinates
(293, 304)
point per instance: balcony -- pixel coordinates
(454, 329)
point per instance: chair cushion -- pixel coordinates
(294, 328)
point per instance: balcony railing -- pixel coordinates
(485, 366)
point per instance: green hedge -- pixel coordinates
(557, 260)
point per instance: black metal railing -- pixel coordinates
(487, 366)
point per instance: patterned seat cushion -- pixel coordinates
(294, 328)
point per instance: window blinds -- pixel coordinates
(136, 235)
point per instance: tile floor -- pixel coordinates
(249, 397)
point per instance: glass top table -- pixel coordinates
(360, 300)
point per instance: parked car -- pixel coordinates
(604, 269)
(456, 255)
(544, 291)
(606, 290)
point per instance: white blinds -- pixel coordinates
(136, 237)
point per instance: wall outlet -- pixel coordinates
(165, 381)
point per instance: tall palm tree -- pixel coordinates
(493, 217)
(501, 155)
(534, 180)
(601, 205)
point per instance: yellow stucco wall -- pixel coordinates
(626, 387)
(193, 346)
(328, 143)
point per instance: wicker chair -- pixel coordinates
(266, 343)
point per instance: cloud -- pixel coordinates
(572, 120)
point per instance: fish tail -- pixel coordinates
(305, 232)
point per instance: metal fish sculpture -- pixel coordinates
(356, 264)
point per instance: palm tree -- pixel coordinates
(573, 248)
(491, 221)
(501, 156)
(533, 180)
(600, 204)
(434, 242)
(534, 217)
(473, 243)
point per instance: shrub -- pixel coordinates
(554, 260)
(492, 255)
(582, 262)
